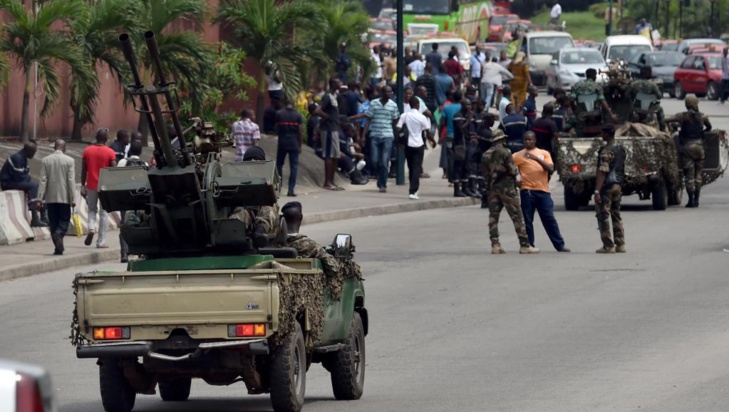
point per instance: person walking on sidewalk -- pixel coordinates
(608, 192)
(535, 165)
(57, 190)
(416, 124)
(290, 141)
(328, 111)
(246, 134)
(381, 120)
(724, 74)
(133, 159)
(15, 175)
(502, 177)
(121, 144)
(95, 158)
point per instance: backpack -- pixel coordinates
(135, 162)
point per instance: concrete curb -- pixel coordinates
(106, 255)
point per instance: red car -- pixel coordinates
(699, 74)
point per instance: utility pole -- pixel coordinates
(666, 30)
(400, 56)
(610, 18)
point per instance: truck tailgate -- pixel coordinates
(175, 298)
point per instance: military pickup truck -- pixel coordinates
(651, 166)
(260, 319)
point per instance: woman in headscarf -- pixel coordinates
(522, 80)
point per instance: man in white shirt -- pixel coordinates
(417, 66)
(505, 101)
(478, 59)
(492, 78)
(416, 124)
(555, 13)
(376, 76)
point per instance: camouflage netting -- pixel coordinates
(656, 153)
(348, 269)
(711, 176)
(76, 337)
(568, 156)
(300, 293)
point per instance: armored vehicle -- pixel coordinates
(209, 298)
(651, 166)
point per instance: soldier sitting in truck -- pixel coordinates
(590, 100)
(305, 247)
(645, 96)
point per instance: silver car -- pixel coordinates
(570, 64)
(24, 387)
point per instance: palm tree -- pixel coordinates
(98, 40)
(265, 31)
(36, 37)
(185, 56)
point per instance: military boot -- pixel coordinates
(696, 197)
(619, 248)
(457, 190)
(606, 250)
(496, 249)
(691, 199)
(473, 184)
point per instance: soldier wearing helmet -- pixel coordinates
(694, 126)
(653, 115)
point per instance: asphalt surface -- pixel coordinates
(453, 328)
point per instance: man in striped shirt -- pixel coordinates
(381, 121)
(246, 134)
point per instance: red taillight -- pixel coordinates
(576, 168)
(27, 394)
(247, 330)
(111, 333)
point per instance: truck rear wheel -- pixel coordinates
(659, 195)
(117, 394)
(571, 199)
(675, 196)
(348, 366)
(287, 373)
(175, 390)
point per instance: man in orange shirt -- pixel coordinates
(535, 165)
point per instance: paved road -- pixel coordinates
(456, 329)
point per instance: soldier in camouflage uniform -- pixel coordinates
(502, 177)
(305, 247)
(608, 192)
(654, 116)
(587, 87)
(262, 221)
(694, 126)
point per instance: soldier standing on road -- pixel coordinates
(694, 126)
(608, 192)
(646, 85)
(305, 247)
(502, 177)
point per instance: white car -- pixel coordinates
(569, 66)
(25, 387)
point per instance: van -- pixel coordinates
(625, 47)
(540, 48)
(425, 46)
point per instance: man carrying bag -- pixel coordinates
(411, 127)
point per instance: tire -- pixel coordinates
(675, 196)
(348, 366)
(287, 373)
(678, 91)
(117, 394)
(659, 195)
(712, 91)
(571, 199)
(176, 390)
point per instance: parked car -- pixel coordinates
(540, 50)
(625, 47)
(699, 74)
(389, 14)
(683, 46)
(570, 65)
(425, 46)
(663, 63)
(381, 24)
(668, 45)
(25, 387)
(496, 25)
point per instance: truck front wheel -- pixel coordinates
(571, 199)
(287, 373)
(659, 195)
(117, 394)
(176, 390)
(348, 366)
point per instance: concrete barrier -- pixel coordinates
(14, 226)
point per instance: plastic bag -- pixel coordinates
(76, 221)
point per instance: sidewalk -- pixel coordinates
(319, 205)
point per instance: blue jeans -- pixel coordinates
(380, 153)
(293, 166)
(536, 200)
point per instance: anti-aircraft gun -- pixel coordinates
(188, 195)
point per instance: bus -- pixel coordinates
(468, 19)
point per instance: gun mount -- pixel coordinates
(185, 200)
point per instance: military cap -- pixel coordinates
(608, 128)
(291, 205)
(497, 135)
(254, 153)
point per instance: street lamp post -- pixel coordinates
(400, 50)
